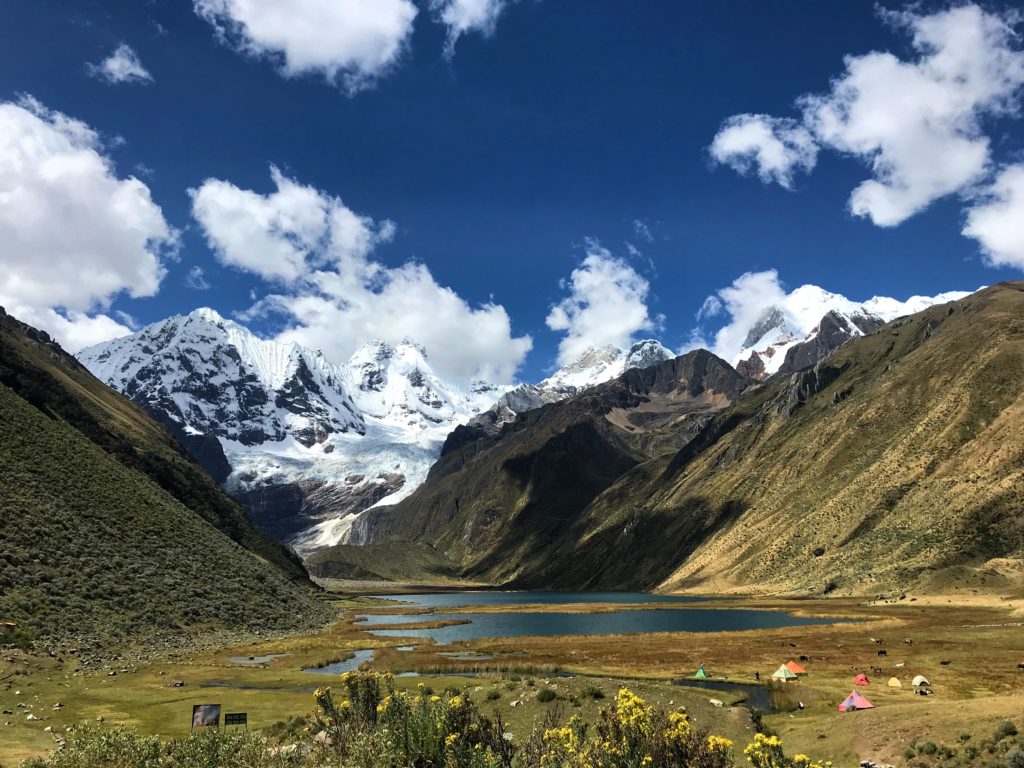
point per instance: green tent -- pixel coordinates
(701, 674)
(784, 673)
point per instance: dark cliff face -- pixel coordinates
(496, 500)
(834, 330)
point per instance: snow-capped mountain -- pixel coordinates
(811, 323)
(211, 376)
(595, 366)
(308, 443)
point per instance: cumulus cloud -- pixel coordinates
(348, 42)
(775, 148)
(463, 16)
(997, 223)
(73, 235)
(334, 295)
(196, 279)
(285, 234)
(917, 123)
(606, 304)
(122, 66)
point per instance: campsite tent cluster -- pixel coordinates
(856, 700)
(791, 671)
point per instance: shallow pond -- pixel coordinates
(475, 626)
(753, 696)
(341, 667)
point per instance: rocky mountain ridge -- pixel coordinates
(894, 463)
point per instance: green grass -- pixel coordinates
(91, 549)
(392, 561)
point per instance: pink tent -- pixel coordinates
(854, 702)
(861, 679)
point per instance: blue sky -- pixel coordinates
(504, 165)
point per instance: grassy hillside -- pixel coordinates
(392, 561)
(108, 529)
(54, 382)
(896, 462)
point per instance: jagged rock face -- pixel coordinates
(595, 366)
(771, 319)
(284, 429)
(834, 330)
(287, 511)
(210, 376)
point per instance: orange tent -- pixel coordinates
(795, 668)
(861, 679)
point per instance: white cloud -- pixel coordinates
(196, 279)
(463, 16)
(917, 123)
(349, 42)
(335, 296)
(285, 234)
(122, 66)
(998, 222)
(72, 234)
(642, 231)
(712, 307)
(776, 148)
(607, 304)
(745, 302)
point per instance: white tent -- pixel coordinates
(920, 681)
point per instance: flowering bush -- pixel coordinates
(414, 727)
(631, 735)
(368, 723)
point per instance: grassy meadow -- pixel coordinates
(978, 689)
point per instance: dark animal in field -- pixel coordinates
(908, 641)
(1020, 667)
(882, 653)
(945, 662)
(808, 658)
(876, 670)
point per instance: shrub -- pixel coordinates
(1004, 729)
(367, 723)
(1015, 756)
(545, 695)
(493, 695)
(927, 747)
(592, 692)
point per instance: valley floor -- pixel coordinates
(980, 638)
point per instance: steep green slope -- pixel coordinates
(107, 529)
(897, 462)
(497, 504)
(43, 374)
(394, 561)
